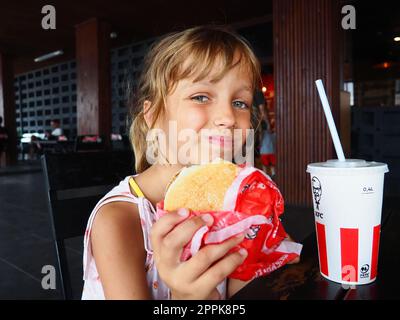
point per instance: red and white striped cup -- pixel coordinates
(347, 208)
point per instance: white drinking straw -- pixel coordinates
(329, 118)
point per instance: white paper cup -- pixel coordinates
(347, 200)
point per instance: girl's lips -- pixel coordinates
(223, 141)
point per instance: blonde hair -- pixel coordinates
(201, 47)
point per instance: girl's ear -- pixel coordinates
(147, 114)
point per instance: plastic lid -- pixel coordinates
(349, 163)
(352, 166)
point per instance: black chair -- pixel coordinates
(75, 183)
(122, 144)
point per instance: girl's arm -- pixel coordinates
(117, 246)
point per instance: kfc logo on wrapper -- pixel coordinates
(252, 232)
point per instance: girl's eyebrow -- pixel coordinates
(245, 88)
(207, 83)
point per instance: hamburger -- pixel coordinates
(201, 187)
(240, 199)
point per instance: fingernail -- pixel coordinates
(183, 212)
(207, 218)
(243, 252)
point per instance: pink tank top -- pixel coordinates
(92, 289)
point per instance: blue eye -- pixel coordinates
(240, 104)
(200, 98)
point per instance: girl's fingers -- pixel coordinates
(214, 295)
(174, 241)
(209, 254)
(222, 269)
(164, 225)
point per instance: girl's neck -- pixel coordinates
(155, 179)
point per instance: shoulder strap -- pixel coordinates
(135, 187)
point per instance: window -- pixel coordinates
(349, 87)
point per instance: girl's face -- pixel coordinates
(206, 114)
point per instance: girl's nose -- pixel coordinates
(224, 117)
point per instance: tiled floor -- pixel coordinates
(26, 241)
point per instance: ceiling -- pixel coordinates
(376, 26)
(22, 36)
(377, 23)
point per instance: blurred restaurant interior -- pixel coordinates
(79, 72)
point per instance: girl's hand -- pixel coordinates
(198, 277)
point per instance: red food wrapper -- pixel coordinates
(252, 204)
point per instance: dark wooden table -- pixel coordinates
(303, 281)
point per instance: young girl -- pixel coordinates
(201, 78)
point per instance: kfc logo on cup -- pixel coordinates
(317, 191)
(364, 271)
